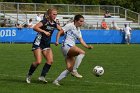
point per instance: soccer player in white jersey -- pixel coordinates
(127, 32)
(73, 54)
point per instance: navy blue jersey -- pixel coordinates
(48, 27)
(42, 40)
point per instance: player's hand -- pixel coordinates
(56, 43)
(47, 33)
(90, 47)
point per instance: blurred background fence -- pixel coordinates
(22, 10)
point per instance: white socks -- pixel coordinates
(76, 65)
(63, 75)
(78, 61)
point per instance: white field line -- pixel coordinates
(105, 83)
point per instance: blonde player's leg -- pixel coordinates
(47, 53)
(34, 65)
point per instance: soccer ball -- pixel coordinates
(98, 71)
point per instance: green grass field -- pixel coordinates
(121, 63)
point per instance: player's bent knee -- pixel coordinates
(82, 52)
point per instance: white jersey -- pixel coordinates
(127, 30)
(71, 34)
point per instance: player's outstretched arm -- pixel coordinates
(84, 44)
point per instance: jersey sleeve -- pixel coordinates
(66, 28)
(43, 21)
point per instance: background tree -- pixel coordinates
(137, 4)
(23, 1)
(130, 4)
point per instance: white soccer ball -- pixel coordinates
(98, 70)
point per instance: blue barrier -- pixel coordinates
(90, 36)
(17, 35)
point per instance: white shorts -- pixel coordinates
(65, 49)
(127, 36)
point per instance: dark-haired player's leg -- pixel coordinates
(79, 53)
(70, 63)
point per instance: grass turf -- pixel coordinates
(121, 63)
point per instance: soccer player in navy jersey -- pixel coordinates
(41, 44)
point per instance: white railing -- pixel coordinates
(66, 9)
(130, 15)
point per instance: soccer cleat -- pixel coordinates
(56, 83)
(28, 79)
(41, 78)
(76, 74)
